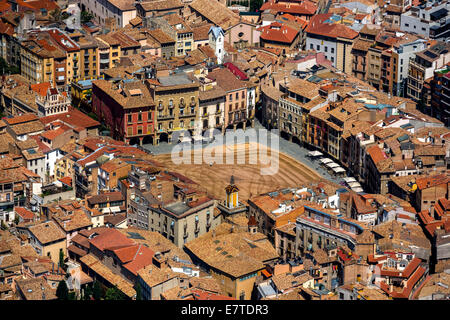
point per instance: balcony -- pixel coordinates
(6, 204)
(187, 115)
(165, 117)
(414, 65)
(105, 61)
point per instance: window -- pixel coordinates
(130, 118)
(326, 49)
(332, 50)
(318, 47)
(139, 116)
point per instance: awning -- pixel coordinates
(354, 184)
(359, 189)
(325, 160)
(106, 210)
(115, 209)
(315, 153)
(185, 139)
(349, 179)
(332, 165)
(338, 169)
(266, 273)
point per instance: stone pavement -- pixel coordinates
(292, 149)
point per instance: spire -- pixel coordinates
(232, 180)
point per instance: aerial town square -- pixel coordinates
(232, 150)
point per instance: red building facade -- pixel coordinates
(126, 109)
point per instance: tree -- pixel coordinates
(97, 291)
(138, 292)
(5, 68)
(114, 294)
(88, 292)
(62, 292)
(56, 15)
(16, 220)
(86, 16)
(72, 296)
(61, 260)
(3, 225)
(255, 5)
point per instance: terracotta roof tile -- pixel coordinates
(47, 232)
(110, 238)
(318, 26)
(278, 32)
